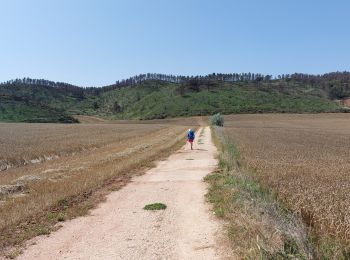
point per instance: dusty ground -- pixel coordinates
(121, 229)
(32, 196)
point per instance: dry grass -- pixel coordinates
(305, 160)
(57, 189)
(257, 226)
(25, 143)
(187, 121)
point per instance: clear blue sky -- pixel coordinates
(93, 43)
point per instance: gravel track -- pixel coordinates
(121, 229)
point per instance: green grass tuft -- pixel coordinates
(155, 206)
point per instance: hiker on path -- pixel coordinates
(190, 137)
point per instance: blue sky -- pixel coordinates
(93, 43)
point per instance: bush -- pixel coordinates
(217, 119)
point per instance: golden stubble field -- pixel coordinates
(305, 159)
(55, 167)
(31, 143)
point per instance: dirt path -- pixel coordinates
(120, 229)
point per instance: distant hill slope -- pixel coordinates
(151, 97)
(15, 111)
(34, 103)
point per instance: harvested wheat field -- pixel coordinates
(31, 143)
(305, 159)
(55, 172)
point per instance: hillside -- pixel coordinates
(23, 102)
(159, 96)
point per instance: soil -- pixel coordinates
(120, 228)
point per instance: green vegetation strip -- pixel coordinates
(155, 206)
(150, 99)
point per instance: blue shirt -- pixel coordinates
(190, 135)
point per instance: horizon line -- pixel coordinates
(176, 75)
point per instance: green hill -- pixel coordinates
(14, 111)
(162, 96)
(164, 100)
(34, 103)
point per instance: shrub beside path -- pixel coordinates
(121, 229)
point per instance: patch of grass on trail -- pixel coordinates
(155, 206)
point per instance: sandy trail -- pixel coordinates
(120, 229)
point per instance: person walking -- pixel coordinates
(190, 137)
